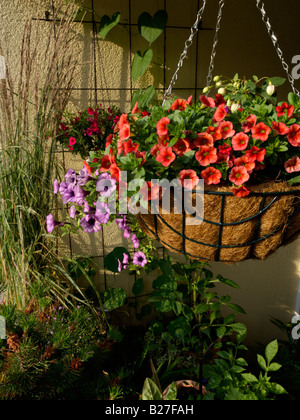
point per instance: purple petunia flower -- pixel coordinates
(102, 212)
(123, 265)
(83, 177)
(121, 223)
(87, 209)
(80, 195)
(135, 241)
(140, 259)
(70, 177)
(51, 223)
(63, 187)
(106, 185)
(69, 195)
(73, 212)
(56, 186)
(90, 224)
(127, 232)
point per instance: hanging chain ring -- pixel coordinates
(260, 5)
(188, 43)
(216, 40)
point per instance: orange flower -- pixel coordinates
(255, 154)
(166, 156)
(239, 175)
(151, 191)
(261, 131)
(155, 149)
(240, 141)
(180, 104)
(211, 175)
(122, 121)
(207, 101)
(136, 109)
(249, 123)
(241, 191)
(220, 113)
(204, 139)
(188, 179)
(206, 155)
(115, 172)
(124, 132)
(226, 128)
(294, 135)
(88, 168)
(182, 147)
(162, 129)
(293, 165)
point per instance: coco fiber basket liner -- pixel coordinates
(234, 229)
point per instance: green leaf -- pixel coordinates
(274, 367)
(277, 81)
(293, 99)
(172, 392)
(295, 180)
(228, 282)
(111, 261)
(107, 24)
(236, 308)
(147, 97)
(262, 363)
(141, 63)
(271, 351)
(277, 389)
(249, 377)
(179, 327)
(151, 391)
(152, 27)
(221, 331)
(114, 298)
(138, 287)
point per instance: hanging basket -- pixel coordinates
(234, 229)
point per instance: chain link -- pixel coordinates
(260, 5)
(216, 40)
(188, 43)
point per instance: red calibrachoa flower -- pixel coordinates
(285, 110)
(182, 147)
(207, 101)
(215, 132)
(162, 129)
(280, 128)
(241, 191)
(124, 132)
(180, 104)
(220, 113)
(211, 176)
(261, 132)
(239, 175)
(293, 165)
(151, 191)
(240, 141)
(188, 178)
(227, 131)
(106, 163)
(293, 135)
(130, 147)
(206, 155)
(204, 139)
(249, 123)
(166, 156)
(256, 154)
(243, 161)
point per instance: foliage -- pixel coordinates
(239, 138)
(88, 130)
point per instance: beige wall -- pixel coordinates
(268, 288)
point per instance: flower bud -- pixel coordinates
(222, 91)
(206, 89)
(270, 89)
(235, 107)
(216, 79)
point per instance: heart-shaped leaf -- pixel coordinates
(114, 298)
(141, 63)
(152, 27)
(107, 24)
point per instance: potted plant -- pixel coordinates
(241, 143)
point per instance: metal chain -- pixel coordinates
(216, 40)
(260, 5)
(188, 43)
